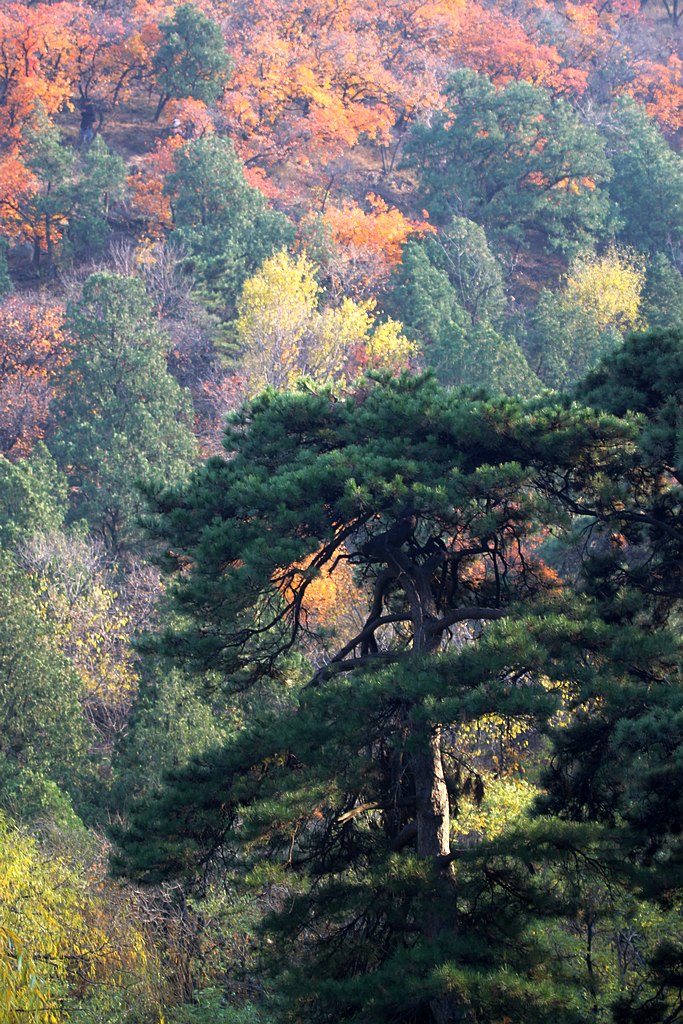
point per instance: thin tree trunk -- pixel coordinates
(163, 100)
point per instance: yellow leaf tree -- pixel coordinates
(608, 288)
(68, 937)
(284, 332)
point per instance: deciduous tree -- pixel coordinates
(608, 288)
(33, 347)
(283, 334)
(43, 749)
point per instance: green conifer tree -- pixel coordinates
(339, 796)
(514, 160)
(100, 182)
(223, 223)
(462, 346)
(191, 59)
(121, 418)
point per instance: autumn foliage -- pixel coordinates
(32, 348)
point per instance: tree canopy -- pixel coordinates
(515, 160)
(191, 59)
(436, 500)
(121, 417)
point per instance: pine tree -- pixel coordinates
(121, 418)
(462, 346)
(515, 161)
(222, 222)
(618, 765)
(191, 59)
(343, 794)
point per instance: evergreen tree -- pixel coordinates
(618, 763)
(52, 163)
(121, 418)
(100, 181)
(341, 794)
(223, 223)
(563, 341)
(663, 295)
(645, 376)
(169, 723)
(191, 59)
(461, 345)
(462, 251)
(514, 160)
(647, 186)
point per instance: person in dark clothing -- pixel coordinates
(87, 130)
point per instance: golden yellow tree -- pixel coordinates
(69, 937)
(284, 332)
(608, 288)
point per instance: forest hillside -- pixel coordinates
(341, 512)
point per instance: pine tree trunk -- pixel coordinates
(431, 798)
(432, 808)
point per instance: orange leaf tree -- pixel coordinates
(32, 348)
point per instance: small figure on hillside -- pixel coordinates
(87, 129)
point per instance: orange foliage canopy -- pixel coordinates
(314, 82)
(660, 89)
(32, 347)
(146, 186)
(332, 602)
(36, 52)
(366, 244)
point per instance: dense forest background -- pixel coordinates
(368, 706)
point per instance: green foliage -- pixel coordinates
(169, 723)
(69, 950)
(514, 160)
(53, 165)
(121, 418)
(31, 797)
(647, 186)
(663, 295)
(461, 345)
(618, 759)
(213, 1008)
(646, 376)
(68, 212)
(435, 494)
(563, 341)
(462, 251)
(100, 181)
(223, 223)
(43, 736)
(191, 60)
(33, 497)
